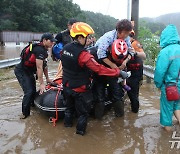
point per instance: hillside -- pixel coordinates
(172, 18)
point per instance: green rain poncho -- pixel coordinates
(167, 69)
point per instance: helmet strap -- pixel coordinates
(85, 41)
(121, 56)
(77, 40)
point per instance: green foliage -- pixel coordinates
(49, 15)
(41, 21)
(154, 27)
(170, 18)
(27, 15)
(53, 15)
(62, 11)
(100, 23)
(7, 24)
(150, 44)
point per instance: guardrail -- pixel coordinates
(148, 70)
(9, 62)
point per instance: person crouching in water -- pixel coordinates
(33, 61)
(77, 63)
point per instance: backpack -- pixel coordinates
(56, 50)
(27, 56)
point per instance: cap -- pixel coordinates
(72, 21)
(48, 36)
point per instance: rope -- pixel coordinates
(55, 104)
(58, 88)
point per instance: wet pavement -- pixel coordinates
(134, 133)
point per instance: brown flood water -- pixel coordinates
(133, 134)
(10, 51)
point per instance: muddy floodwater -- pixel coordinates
(10, 51)
(132, 134)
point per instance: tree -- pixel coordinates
(153, 26)
(62, 11)
(8, 24)
(99, 22)
(150, 44)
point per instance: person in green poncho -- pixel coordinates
(168, 71)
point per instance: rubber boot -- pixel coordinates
(68, 119)
(135, 107)
(81, 125)
(119, 108)
(99, 110)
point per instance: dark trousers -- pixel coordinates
(115, 89)
(79, 102)
(28, 84)
(115, 94)
(133, 94)
(99, 84)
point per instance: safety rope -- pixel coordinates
(56, 107)
(58, 88)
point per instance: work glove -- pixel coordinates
(123, 74)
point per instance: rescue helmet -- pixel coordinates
(81, 28)
(119, 49)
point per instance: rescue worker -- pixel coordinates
(33, 61)
(76, 63)
(167, 72)
(135, 65)
(64, 38)
(123, 28)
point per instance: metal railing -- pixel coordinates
(148, 70)
(9, 62)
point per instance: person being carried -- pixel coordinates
(77, 62)
(118, 53)
(123, 28)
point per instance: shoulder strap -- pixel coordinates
(25, 55)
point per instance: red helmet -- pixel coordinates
(119, 49)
